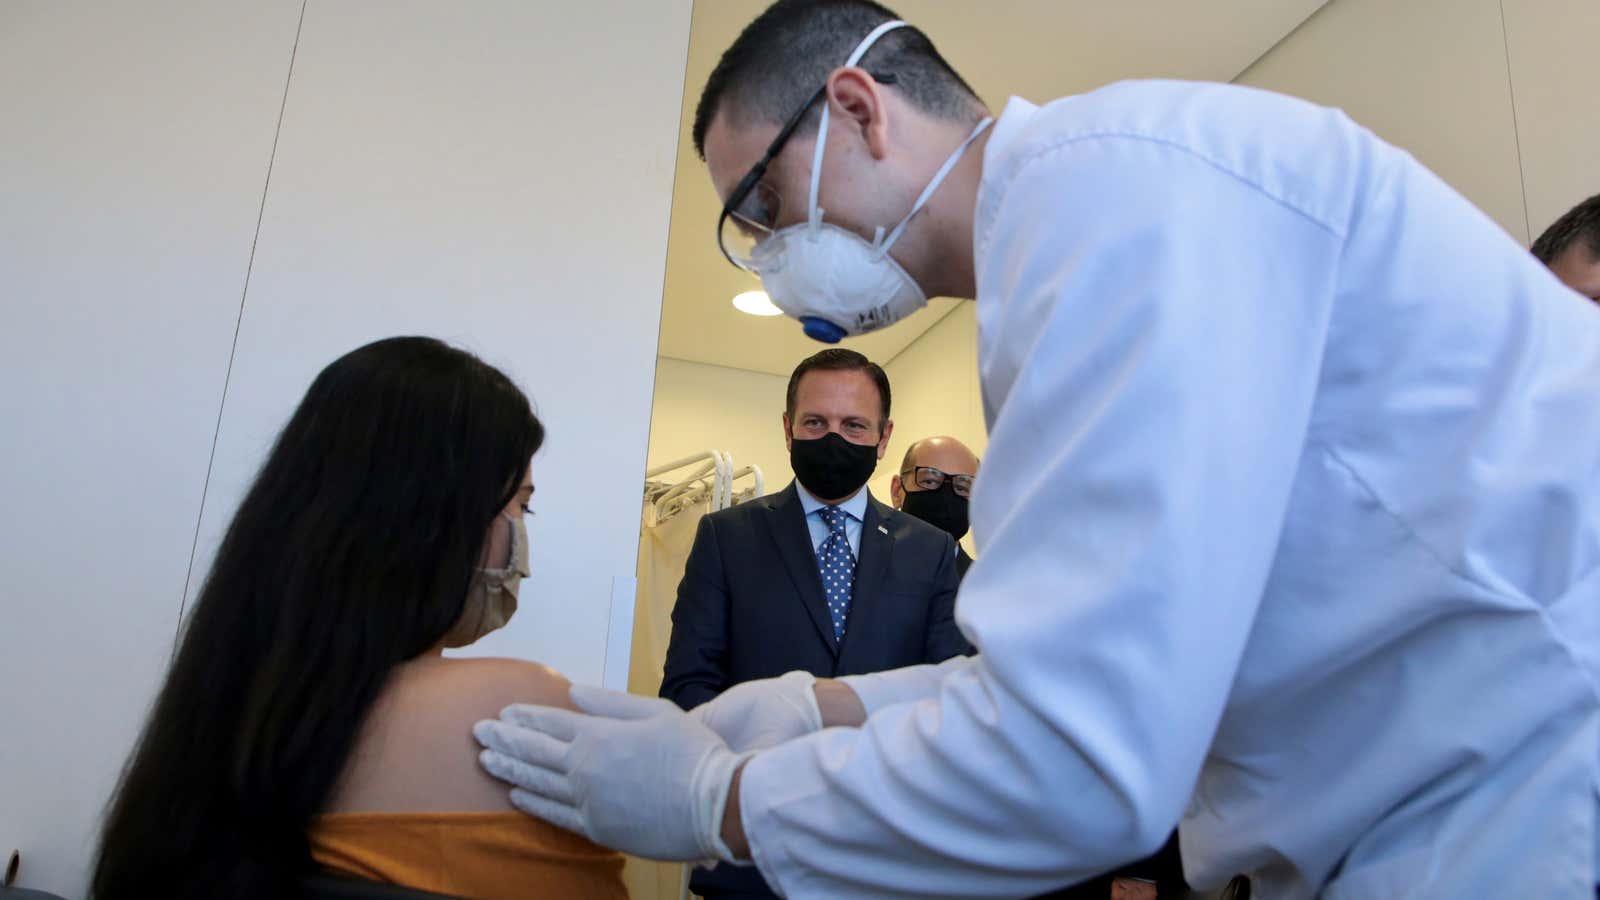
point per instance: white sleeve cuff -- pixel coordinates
(884, 689)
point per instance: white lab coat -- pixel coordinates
(1290, 522)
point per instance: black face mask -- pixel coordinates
(831, 467)
(943, 509)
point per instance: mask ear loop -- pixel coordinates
(520, 540)
(814, 212)
(883, 246)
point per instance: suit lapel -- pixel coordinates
(872, 564)
(787, 519)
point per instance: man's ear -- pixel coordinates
(859, 100)
(788, 433)
(897, 492)
(883, 439)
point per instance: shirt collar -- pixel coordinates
(856, 506)
(1012, 120)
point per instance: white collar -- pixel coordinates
(1012, 120)
(856, 506)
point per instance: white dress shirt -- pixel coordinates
(855, 513)
(1290, 523)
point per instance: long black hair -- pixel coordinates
(352, 552)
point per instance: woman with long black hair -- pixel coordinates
(310, 721)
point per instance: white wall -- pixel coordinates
(135, 147)
(700, 407)
(434, 174)
(429, 180)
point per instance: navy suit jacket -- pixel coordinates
(751, 604)
(963, 562)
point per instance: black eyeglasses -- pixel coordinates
(750, 215)
(927, 478)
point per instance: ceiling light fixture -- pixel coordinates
(756, 303)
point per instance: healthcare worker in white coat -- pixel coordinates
(1290, 514)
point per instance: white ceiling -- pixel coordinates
(1039, 49)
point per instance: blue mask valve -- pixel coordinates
(821, 330)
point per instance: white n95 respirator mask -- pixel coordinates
(834, 281)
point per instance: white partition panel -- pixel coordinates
(497, 174)
(134, 143)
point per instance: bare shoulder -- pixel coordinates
(416, 752)
(488, 684)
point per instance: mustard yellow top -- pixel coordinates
(479, 855)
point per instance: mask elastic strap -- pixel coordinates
(518, 535)
(814, 213)
(927, 192)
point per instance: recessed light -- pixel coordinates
(756, 303)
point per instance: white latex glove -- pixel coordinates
(756, 715)
(632, 773)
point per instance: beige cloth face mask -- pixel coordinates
(492, 598)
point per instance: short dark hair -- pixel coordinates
(838, 359)
(1581, 223)
(780, 59)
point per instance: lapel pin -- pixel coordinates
(883, 529)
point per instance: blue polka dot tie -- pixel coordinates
(838, 566)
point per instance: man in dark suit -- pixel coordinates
(819, 577)
(934, 484)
